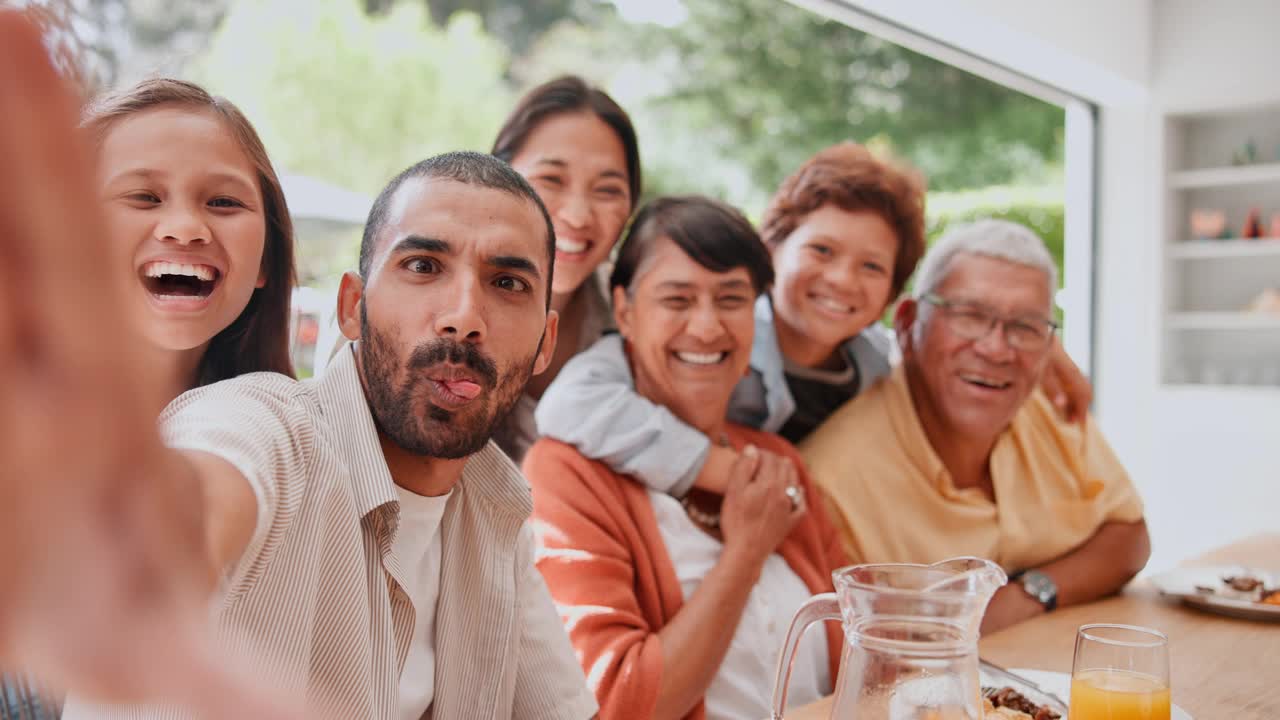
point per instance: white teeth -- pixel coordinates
(985, 381)
(570, 246)
(158, 268)
(832, 305)
(701, 358)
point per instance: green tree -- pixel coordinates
(772, 83)
(352, 98)
(742, 91)
(106, 43)
(516, 24)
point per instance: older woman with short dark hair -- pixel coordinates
(677, 608)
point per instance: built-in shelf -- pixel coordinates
(1238, 247)
(1191, 387)
(1211, 342)
(1226, 176)
(1224, 321)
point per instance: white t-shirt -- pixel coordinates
(743, 687)
(417, 549)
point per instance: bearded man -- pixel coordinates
(371, 541)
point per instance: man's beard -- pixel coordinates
(438, 433)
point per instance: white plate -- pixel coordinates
(1059, 683)
(1181, 583)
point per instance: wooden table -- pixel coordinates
(1222, 668)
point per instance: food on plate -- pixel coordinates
(1006, 702)
(991, 712)
(1245, 586)
(1243, 583)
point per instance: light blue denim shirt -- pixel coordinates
(592, 405)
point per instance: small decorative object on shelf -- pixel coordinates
(1275, 226)
(1208, 224)
(1247, 154)
(1252, 225)
(1267, 302)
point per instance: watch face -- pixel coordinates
(1040, 586)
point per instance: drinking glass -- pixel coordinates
(1121, 672)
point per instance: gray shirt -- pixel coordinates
(593, 405)
(519, 431)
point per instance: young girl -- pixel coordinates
(198, 217)
(845, 231)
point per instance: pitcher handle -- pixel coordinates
(819, 607)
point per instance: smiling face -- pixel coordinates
(451, 318)
(689, 333)
(973, 388)
(184, 209)
(578, 165)
(834, 277)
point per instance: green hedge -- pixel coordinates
(1039, 208)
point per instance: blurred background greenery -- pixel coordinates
(728, 95)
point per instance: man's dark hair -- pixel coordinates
(469, 168)
(713, 234)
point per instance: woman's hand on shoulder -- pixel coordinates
(1065, 385)
(758, 513)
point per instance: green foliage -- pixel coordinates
(766, 84)
(103, 44)
(1039, 208)
(354, 99)
(726, 103)
(517, 24)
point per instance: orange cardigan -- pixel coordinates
(608, 570)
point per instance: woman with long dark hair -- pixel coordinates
(578, 149)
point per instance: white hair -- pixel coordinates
(998, 239)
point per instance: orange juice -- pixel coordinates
(1118, 695)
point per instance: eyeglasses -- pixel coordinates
(974, 322)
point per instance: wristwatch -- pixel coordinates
(1041, 587)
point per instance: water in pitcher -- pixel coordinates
(911, 639)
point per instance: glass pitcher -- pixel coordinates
(910, 639)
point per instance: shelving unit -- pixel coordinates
(1211, 338)
(1235, 248)
(1223, 321)
(1225, 176)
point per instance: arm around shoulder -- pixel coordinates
(593, 406)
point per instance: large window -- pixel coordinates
(1069, 192)
(729, 97)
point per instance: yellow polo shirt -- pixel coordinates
(893, 501)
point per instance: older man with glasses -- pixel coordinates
(959, 453)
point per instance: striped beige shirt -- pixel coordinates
(318, 593)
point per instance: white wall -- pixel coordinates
(1206, 461)
(1095, 49)
(1113, 34)
(1216, 452)
(1215, 54)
